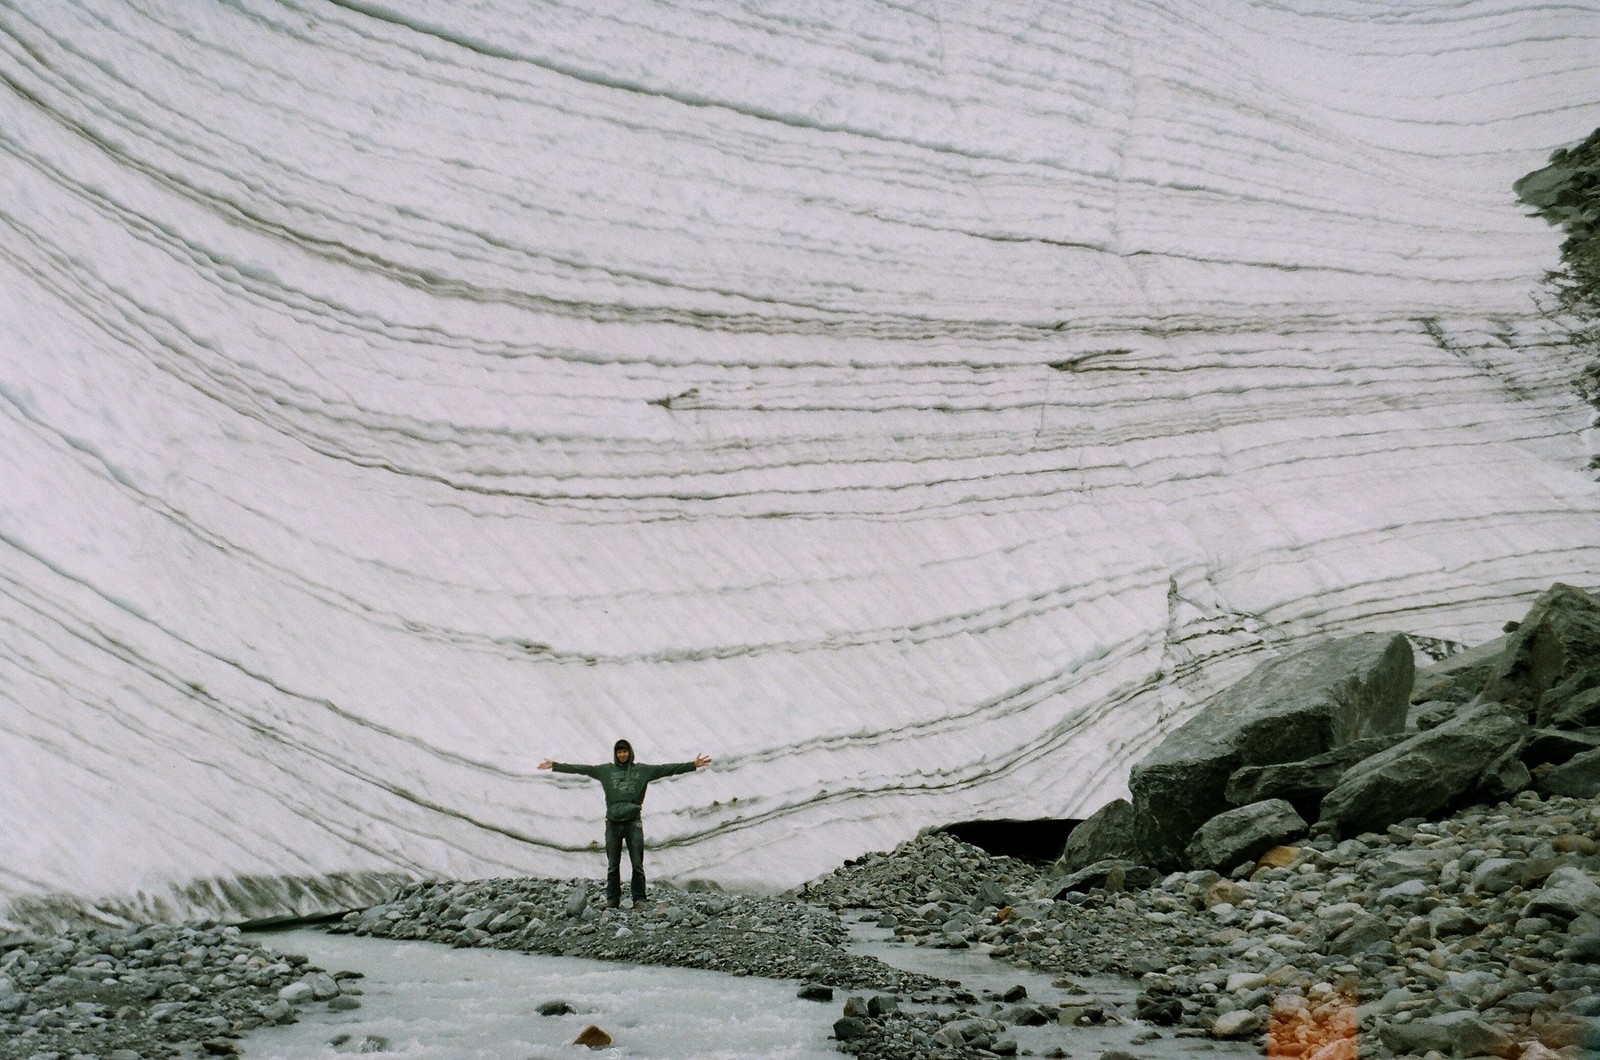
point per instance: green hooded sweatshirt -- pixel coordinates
(624, 784)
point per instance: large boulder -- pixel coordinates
(1567, 893)
(1557, 641)
(1244, 834)
(1460, 677)
(1575, 711)
(1556, 746)
(1109, 875)
(1303, 784)
(1578, 777)
(1327, 694)
(1426, 773)
(1106, 835)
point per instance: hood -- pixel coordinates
(623, 745)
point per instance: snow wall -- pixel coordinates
(915, 407)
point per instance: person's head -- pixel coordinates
(622, 753)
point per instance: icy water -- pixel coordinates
(424, 1001)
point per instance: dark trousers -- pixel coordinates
(617, 833)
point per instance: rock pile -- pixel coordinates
(1375, 929)
(154, 991)
(1329, 735)
(1475, 935)
(933, 867)
(780, 938)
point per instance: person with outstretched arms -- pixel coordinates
(624, 781)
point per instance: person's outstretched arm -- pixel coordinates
(672, 769)
(565, 767)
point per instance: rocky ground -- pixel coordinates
(154, 991)
(778, 938)
(1475, 935)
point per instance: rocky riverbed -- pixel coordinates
(1474, 935)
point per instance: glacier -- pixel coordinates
(916, 407)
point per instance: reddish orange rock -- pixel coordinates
(593, 1037)
(1279, 857)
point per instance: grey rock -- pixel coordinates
(1448, 921)
(1425, 773)
(1415, 1039)
(507, 921)
(1567, 893)
(1469, 1035)
(1497, 875)
(1559, 637)
(1303, 784)
(849, 1028)
(1430, 715)
(1243, 834)
(815, 992)
(1460, 677)
(989, 893)
(343, 1003)
(1325, 695)
(1578, 777)
(1401, 894)
(1503, 778)
(560, 1007)
(577, 902)
(323, 986)
(1364, 933)
(855, 1006)
(164, 1011)
(1161, 1011)
(1583, 949)
(1027, 1016)
(279, 1011)
(882, 1005)
(1240, 1023)
(1401, 865)
(296, 993)
(1581, 709)
(1106, 835)
(1106, 875)
(1556, 746)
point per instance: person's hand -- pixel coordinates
(546, 764)
(701, 761)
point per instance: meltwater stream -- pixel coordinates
(424, 1001)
